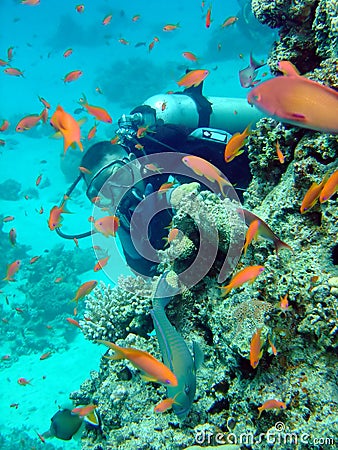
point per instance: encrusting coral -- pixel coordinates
(298, 364)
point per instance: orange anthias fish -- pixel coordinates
(297, 100)
(44, 102)
(312, 195)
(166, 404)
(28, 122)
(45, 356)
(107, 225)
(208, 17)
(190, 56)
(235, 145)
(170, 27)
(79, 8)
(14, 72)
(67, 52)
(152, 369)
(73, 322)
(101, 263)
(55, 218)
(68, 127)
(246, 275)
(96, 111)
(203, 168)
(72, 76)
(229, 21)
(251, 234)
(12, 236)
(264, 230)
(284, 304)
(255, 349)
(280, 155)
(193, 78)
(83, 411)
(24, 381)
(107, 19)
(11, 270)
(271, 404)
(84, 290)
(4, 126)
(92, 132)
(330, 187)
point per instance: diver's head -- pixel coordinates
(110, 172)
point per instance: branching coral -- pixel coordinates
(113, 312)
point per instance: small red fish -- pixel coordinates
(330, 188)
(256, 349)
(4, 126)
(79, 8)
(12, 236)
(14, 72)
(41, 437)
(92, 132)
(10, 53)
(246, 275)
(55, 218)
(166, 404)
(271, 404)
(153, 168)
(107, 19)
(230, 21)
(68, 52)
(8, 218)
(193, 78)
(44, 102)
(84, 410)
(30, 2)
(23, 381)
(12, 269)
(189, 56)
(279, 153)
(73, 322)
(97, 111)
(101, 263)
(84, 170)
(170, 27)
(38, 180)
(72, 76)
(84, 290)
(34, 259)
(208, 17)
(45, 355)
(273, 348)
(107, 225)
(28, 122)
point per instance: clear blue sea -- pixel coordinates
(117, 76)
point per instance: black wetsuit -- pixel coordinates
(174, 137)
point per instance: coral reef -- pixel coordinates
(38, 305)
(114, 312)
(303, 371)
(10, 189)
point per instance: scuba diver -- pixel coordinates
(124, 174)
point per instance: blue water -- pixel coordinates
(126, 75)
